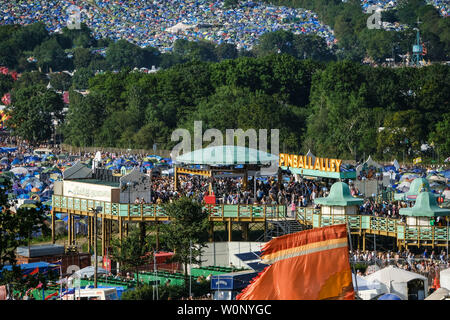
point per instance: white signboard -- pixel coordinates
(87, 191)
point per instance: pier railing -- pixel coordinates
(306, 216)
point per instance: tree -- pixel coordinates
(28, 79)
(131, 253)
(32, 219)
(50, 55)
(311, 46)
(183, 235)
(16, 229)
(81, 78)
(8, 227)
(195, 51)
(226, 51)
(84, 119)
(33, 111)
(6, 83)
(122, 54)
(82, 57)
(401, 134)
(440, 136)
(60, 81)
(279, 41)
(231, 3)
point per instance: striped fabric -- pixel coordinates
(307, 265)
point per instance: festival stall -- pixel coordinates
(407, 285)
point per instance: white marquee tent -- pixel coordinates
(395, 280)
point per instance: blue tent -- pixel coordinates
(16, 161)
(27, 268)
(6, 150)
(389, 296)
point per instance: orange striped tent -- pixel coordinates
(307, 265)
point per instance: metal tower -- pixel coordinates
(417, 49)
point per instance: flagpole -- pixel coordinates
(352, 265)
(60, 280)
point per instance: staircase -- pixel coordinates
(281, 227)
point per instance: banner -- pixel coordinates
(307, 265)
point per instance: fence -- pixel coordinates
(72, 149)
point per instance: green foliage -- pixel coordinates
(51, 56)
(33, 110)
(439, 136)
(334, 109)
(300, 46)
(81, 78)
(168, 292)
(131, 253)
(124, 54)
(82, 57)
(6, 84)
(16, 229)
(184, 234)
(60, 81)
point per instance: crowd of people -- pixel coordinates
(426, 263)
(230, 190)
(151, 23)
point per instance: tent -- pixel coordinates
(87, 272)
(19, 171)
(395, 280)
(389, 296)
(444, 278)
(439, 294)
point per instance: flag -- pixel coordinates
(35, 271)
(307, 265)
(54, 294)
(417, 160)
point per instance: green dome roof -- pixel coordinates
(227, 155)
(339, 196)
(417, 185)
(425, 206)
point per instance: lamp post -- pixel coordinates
(377, 175)
(364, 181)
(96, 211)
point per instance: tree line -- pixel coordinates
(334, 107)
(356, 40)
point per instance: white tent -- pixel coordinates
(404, 186)
(366, 290)
(396, 164)
(439, 294)
(87, 272)
(179, 27)
(395, 280)
(444, 278)
(19, 170)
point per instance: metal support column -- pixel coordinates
(364, 240)
(53, 227)
(211, 232)
(103, 236)
(89, 225)
(157, 236)
(69, 228)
